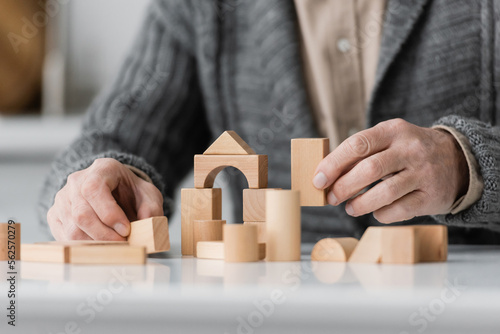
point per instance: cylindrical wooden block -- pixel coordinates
(261, 230)
(10, 241)
(333, 249)
(283, 225)
(240, 243)
(206, 230)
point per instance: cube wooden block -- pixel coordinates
(105, 254)
(333, 249)
(10, 241)
(229, 142)
(414, 244)
(207, 230)
(240, 243)
(206, 168)
(283, 225)
(214, 250)
(254, 204)
(261, 230)
(197, 204)
(306, 154)
(151, 233)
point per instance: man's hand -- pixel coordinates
(423, 172)
(99, 202)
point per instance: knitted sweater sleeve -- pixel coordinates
(485, 144)
(152, 118)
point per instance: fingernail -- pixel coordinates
(332, 200)
(121, 229)
(349, 209)
(320, 180)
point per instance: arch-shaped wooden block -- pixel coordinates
(333, 249)
(253, 166)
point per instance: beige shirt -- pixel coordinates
(340, 47)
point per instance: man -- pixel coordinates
(202, 67)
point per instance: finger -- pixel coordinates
(350, 151)
(365, 173)
(86, 219)
(405, 208)
(382, 194)
(55, 224)
(61, 213)
(149, 201)
(96, 190)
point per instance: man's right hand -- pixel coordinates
(99, 202)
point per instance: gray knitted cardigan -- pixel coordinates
(200, 67)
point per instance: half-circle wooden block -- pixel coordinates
(206, 168)
(333, 249)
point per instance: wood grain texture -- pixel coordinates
(106, 254)
(333, 249)
(45, 253)
(254, 204)
(433, 243)
(151, 233)
(14, 236)
(197, 204)
(306, 154)
(229, 142)
(240, 243)
(206, 230)
(206, 168)
(283, 225)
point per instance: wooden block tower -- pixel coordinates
(203, 203)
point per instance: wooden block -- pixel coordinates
(45, 253)
(400, 245)
(206, 168)
(151, 233)
(229, 143)
(206, 230)
(214, 250)
(240, 243)
(210, 250)
(197, 204)
(83, 243)
(254, 204)
(261, 230)
(433, 242)
(283, 225)
(107, 254)
(306, 154)
(369, 247)
(414, 244)
(10, 241)
(333, 249)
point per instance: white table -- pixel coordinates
(186, 295)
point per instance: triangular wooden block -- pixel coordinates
(229, 143)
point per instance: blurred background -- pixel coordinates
(56, 56)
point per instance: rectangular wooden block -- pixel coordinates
(400, 245)
(45, 252)
(197, 204)
(151, 233)
(306, 154)
(83, 243)
(214, 250)
(254, 204)
(10, 241)
(253, 166)
(433, 242)
(107, 254)
(207, 230)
